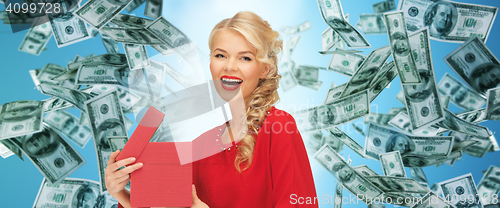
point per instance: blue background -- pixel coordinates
(20, 181)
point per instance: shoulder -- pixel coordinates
(278, 122)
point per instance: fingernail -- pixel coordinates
(139, 165)
(193, 187)
(132, 159)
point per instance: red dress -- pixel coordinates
(280, 172)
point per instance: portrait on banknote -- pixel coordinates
(441, 18)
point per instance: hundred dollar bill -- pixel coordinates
(105, 59)
(401, 97)
(475, 116)
(164, 49)
(137, 56)
(110, 45)
(392, 164)
(379, 119)
(372, 24)
(167, 33)
(84, 119)
(99, 12)
(75, 97)
(9, 148)
(422, 100)
(460, 94)
(384, 6)
(461, 186)
(401, 49)
(456, 22)
(48, 72)
(306, 73)
(53, 104)
(335, 113)
(129, 21)
(489, 186)
(106, 119)
(419, 175)
(36, 38)
(328, 39)
(364, 170)
(453, 123)
(339, 189)
(138, 36)
(20, 118)
(292, 43)
(148, 80)
(418, 161)
(382, 80)
(117, 142)
(348, 141)
(332, 14)
(68, 125)
(345, 63)
(367, 71)
(493, 105)
(475, 64)
(310, 84)
(297, 29)
(153, 8)
(127, 98)
(67, 28)
(480, 148)
(432, 200)
(134, 4)
(50, 153)
(402, 122)
(73, 192)
(397, 184)
(287, 81)
(381, 140)
(356, 183)
(34, 73)
(397, 110)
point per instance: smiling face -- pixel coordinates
(234, 65)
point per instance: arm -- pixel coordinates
(290, 169)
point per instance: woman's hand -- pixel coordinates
(197, 203)
(117, 179)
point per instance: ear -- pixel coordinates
(265, 71)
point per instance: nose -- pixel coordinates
(231, 64)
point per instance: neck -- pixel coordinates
(238, 121)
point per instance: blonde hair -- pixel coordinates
(267, 44)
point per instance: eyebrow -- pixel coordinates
(242, 52)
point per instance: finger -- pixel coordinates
(195, 196)
(112, 157)
(130, 169)
(120, 163)
(122, 178)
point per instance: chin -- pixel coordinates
(227, 95)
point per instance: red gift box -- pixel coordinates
(162, 181)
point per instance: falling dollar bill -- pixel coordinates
(287, 81)
(9, 148)
(99, 12)
(153, 8)
(68, 125)
(105, 59)
(456, 22)
(384, 6)
(460, 94)
(382, 140)
(331, 11)
(127, 35)
(137, 56)
(401, 49)
(109, 44)
(306, 73)
(402, 122)
(36, 38)
(493, 105)
(20, 118)
(167, 33)
(418, 161)
(489, 186)
(67, 28)
(345, 63)
(291, 44)
(419, 175)
(475, 116)
(347, 140)
(127, 98)
(480, 148)
(335, 113)
(297, 29)
(392, 164)
(385, 76)
(106, 119)
(432, 200)
(117, 142)
(130, 21)
(356, 183)
(422, 100)
(397, 184)
(476, 65)
(372, 24)
(461, 186)
(74, 97)
(328, 39)
(50, 153)
(453, 123)
(367, 71)
(364, 170)
(134, 4)
(379, 119)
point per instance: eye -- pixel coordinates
(246, 58)
(219, 55)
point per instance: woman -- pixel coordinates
(267, 163)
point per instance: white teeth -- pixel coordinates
(231, 80)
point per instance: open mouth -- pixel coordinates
(230, 82)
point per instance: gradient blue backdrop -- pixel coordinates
(20, 181)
